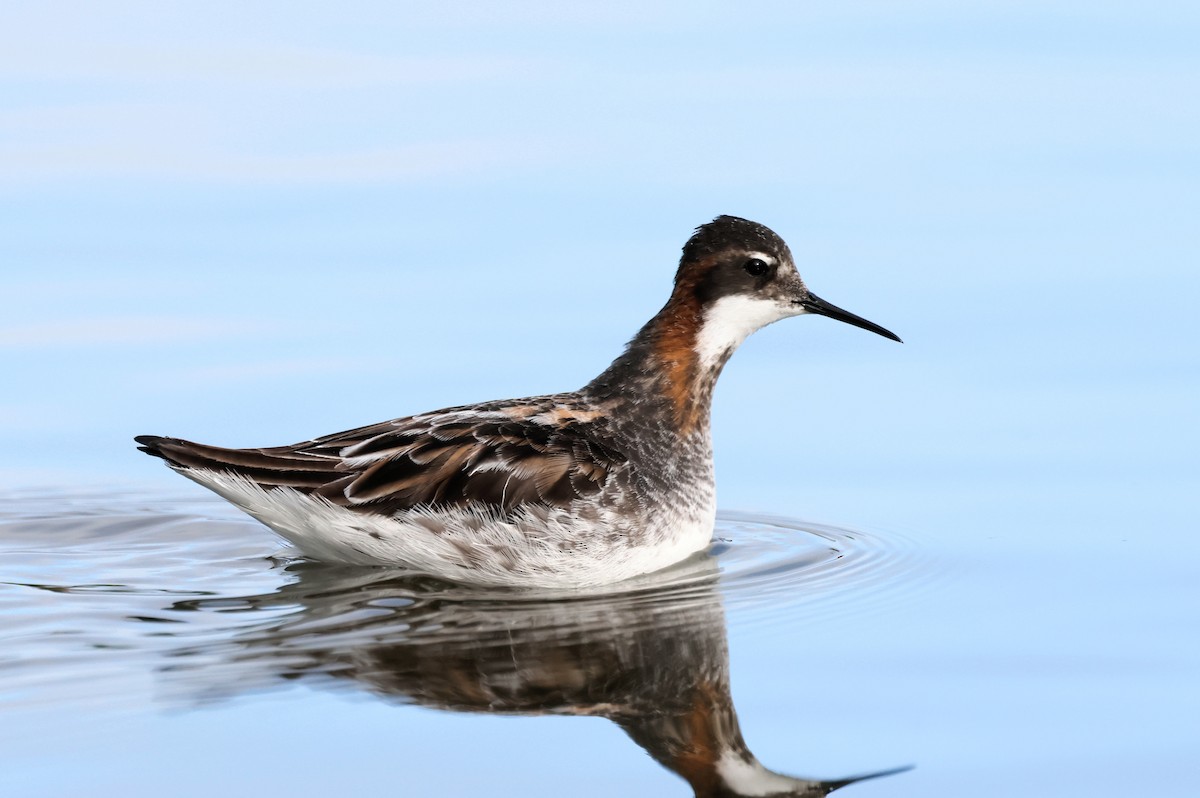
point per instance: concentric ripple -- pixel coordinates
(107, 586)
(776, 568)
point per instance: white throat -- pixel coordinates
(751, 778)
(730, 321)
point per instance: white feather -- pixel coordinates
(731, 319)
(751, 778)
(535, 546)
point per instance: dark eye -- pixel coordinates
(755, 267)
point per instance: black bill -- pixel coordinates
(814, 304)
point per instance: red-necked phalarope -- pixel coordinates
(568, 490)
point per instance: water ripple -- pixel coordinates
(92, 584)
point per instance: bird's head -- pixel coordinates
(742, 277)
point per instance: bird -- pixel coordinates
(572, 490)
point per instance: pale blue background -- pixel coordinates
(251, 224)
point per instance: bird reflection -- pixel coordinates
(653, 659)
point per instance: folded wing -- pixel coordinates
(494, 458)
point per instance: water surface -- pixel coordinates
(144, 611)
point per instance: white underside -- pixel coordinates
(536, 547)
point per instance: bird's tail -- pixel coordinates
(267, 467)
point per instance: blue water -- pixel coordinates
(253, 227)
(162, 643)
(152, 614)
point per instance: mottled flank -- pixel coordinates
(579, 488)
(477, 544)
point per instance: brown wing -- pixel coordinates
(499, 457)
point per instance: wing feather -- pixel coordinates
(502, 462)
(495, 455)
